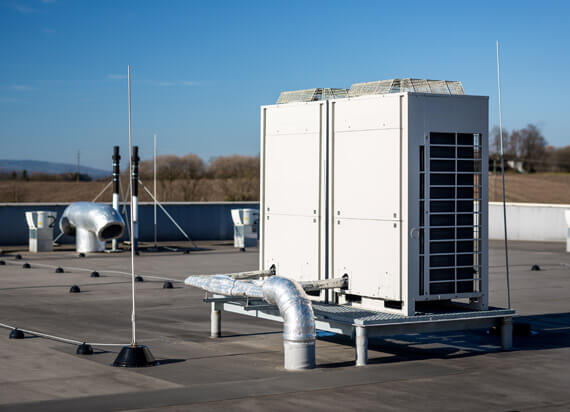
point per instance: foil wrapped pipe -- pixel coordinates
(92, 224)
(299, 332)
(225, 285)
(294, 306)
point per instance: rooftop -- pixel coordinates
(243, 370)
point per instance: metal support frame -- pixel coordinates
(364, 324)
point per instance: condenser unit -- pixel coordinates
(385, 185)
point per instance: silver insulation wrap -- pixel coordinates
(225, 285)
(98, 218)
(294, 306)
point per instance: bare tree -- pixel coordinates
(235, 166)
(532, 148)
(495, 140)
(193, 167)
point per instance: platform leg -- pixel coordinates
(215, 322)
(361, 338)
(507, 333)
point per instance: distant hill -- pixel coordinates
(49, 167)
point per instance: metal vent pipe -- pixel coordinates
(116, 184)
(92, 224)
(294, 307)
(298, 321)
(135, 189)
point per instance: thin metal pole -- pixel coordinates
(503, 178)
(154, 158)
(133, 321)
(168, 214)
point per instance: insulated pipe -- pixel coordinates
(92, 224)
(135, 189)
(299, 321)
(294, 307)
(116, 184)
(225, 285)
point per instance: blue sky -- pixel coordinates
(202, 69)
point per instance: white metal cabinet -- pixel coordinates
(291, 189)
(382, 188)
(368, 251)
(365, 153)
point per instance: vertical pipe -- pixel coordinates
(133, 317)
(215, 322)
(135, 193)
(116, 177)
(154, 190)
(507, 333)
(361, 346)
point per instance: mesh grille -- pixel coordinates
(311, 95)
(406, 85)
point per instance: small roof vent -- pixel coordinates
(406, 85)
(311, 95)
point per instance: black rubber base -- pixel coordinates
(167, 285)
(135, 356)
(535, 268)
(74, 289)
(81, 254)
(84, 349)
(27, 266)
(2, 263)
(139, 279)
(18, 257)
(59, 270)
(95, 274)
(16, 334)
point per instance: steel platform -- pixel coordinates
(360, 324)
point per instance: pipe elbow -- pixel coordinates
(100, 219)
(294, 306)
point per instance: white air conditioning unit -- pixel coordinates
(387, 189)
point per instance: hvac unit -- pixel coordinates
(385, 184)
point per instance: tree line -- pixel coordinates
(192, 166)
(44, 177)
(528, 146)
(190, 178)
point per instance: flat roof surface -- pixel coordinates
(243, 370)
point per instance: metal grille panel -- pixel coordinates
(311, 95)
(450, 207)
(406, 85)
